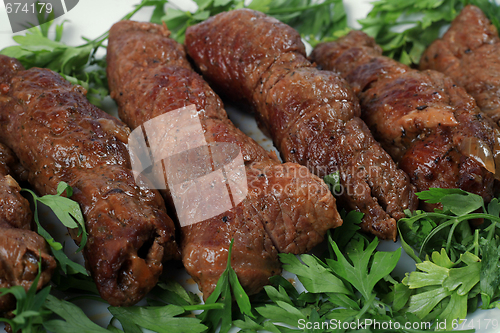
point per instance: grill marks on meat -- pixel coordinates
(312, 115)
(20, 248)
(469, 53)
(287, 209)
(430, 126)
(59, 136)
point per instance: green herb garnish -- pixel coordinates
(29, 312)
(227, 282)
(404, 29)
(77, 64)
(70, 215)
(313, 20)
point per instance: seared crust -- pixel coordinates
(20, 248)
(20, 252)
(312, 115)
(14, 208)
(287, 209)
(429, 125)
(469, 53)
(59, 136)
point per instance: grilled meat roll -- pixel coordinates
(312, 115)
(469, 53)
(59, 136)
(287, 209)
(429, 125)
(20, 248)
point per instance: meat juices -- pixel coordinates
(149, 76)
(312, 115)
(20, 248)
(469, 53)
(429, 125)
(59, 136)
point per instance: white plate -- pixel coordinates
(90, 18)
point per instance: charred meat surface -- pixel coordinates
(287, 209)
(20, 248)
(312, 115)
(59, 136)
(469, 53)
(429, 125)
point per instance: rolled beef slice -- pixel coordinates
(21, 249)
(469, 53)
(286, 209)
(312, 115)
(428, 124)
(59, 136)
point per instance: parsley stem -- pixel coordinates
(491, 232)
(420, 216)
(459, 218)
(366, 306)
(299, 9)
(479, 216)
(476, 242)
(213, 306)
(452, 221)
(393, 24)
(450, 235)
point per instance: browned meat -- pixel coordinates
(469, 53)
(14, 209)
(287, 209)
(19, 256)
(430, 126)
(20, 248)
(59, 136)
(312, 115)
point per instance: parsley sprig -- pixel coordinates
(314, 21)
(404, 29)
(347, 286)
(440, 289)
(29, 312)
(69, 214)
(354, 284)
(78, 64)
(227, 285)
(464, 261)
(36, 49)
(458, 206)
